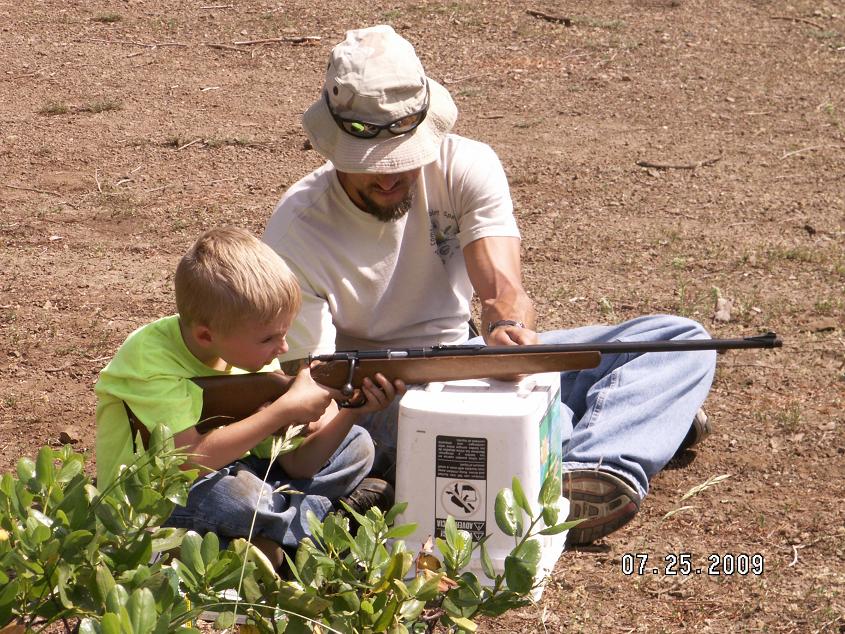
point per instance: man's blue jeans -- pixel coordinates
(225, 501)
(630, 414)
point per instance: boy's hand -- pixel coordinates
(306, 399)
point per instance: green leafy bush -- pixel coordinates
(72, 554)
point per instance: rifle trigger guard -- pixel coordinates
(347, 388)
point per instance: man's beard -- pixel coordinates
(391, 213)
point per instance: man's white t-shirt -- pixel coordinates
(370, 284)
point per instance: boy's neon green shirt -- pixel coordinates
(151, 373)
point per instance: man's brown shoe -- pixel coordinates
(604, 501)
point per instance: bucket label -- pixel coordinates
(461, 484)
(551, 441)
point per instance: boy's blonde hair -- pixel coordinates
(228, 277)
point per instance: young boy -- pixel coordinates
(236, 299)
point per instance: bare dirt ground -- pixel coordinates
(126, 128)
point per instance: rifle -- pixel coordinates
(230, 398)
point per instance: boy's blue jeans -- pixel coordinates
(627, 416)
(225, 501)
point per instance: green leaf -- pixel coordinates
(519, 575)
(210, 548)
(411, 609)
(142, 611)
(186, 575)
(104, 582)
(45, 472)
(464, 623)
(395, 511)
(89, 626)
(69, 471)
(559, 528)
(110, 518)
(63, 573)
(519, 496)
(136, 552)
(528, 551)
(487, 562)
(508, 514)
(401, 532)
(395, 569)
(110, 623)
(161, 439)
(26, 469)
(451, 531)
(8, 599)
(387, 614)
(348, 601)
(502, 602)
(314, 526)
(165, 539)
(335, 534)
(430, 589)
(190, 553)
(470, 589)
(116, 599)
(225, 620)
(75, 505)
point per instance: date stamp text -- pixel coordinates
(684, 564)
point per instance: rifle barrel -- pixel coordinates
(767, 340)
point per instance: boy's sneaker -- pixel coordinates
(604, 501)
(698, 431)
(370, 492)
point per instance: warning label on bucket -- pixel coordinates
(461, 484)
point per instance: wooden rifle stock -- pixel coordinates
(230, 398)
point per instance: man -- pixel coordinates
(392, 236)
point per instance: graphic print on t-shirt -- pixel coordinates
(444, 233)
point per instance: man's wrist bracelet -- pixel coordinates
(502, 323)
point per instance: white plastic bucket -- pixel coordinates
(461, 442)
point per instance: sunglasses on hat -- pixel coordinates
(365, 130)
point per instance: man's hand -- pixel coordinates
(512, 336)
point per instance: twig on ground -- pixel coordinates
(281, 40)
(32, 74)
(464, 78)
(558, 19)
(32, 189)
(812, 147)
(226, 47)
(189, 144)
(682, 215)
(218, 6)
(133, 43)
(794, 555)
(671, 166)
(97, 180)
(797, 19)
(750, 365)
(60, 368)
(491, 116)
(674, 586)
